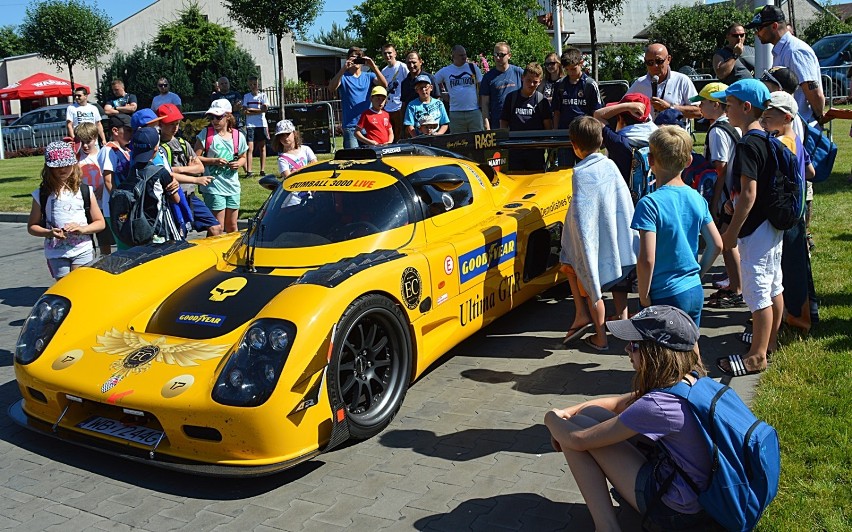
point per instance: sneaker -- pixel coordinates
(811, 243)
(248, 175)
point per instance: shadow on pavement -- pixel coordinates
(25, 296)
(568, 378)
(470, 444)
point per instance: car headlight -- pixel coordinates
(254, 367)
(42, 323)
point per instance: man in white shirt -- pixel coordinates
(255, 105)
(82, 111)
(795, 54)
(461, 80)
(666, 88)
(165, 96)
(395, 72)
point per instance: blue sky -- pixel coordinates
(14, 11)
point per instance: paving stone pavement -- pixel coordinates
(467, 451)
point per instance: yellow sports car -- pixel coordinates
(249, 353)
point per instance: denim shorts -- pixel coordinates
(659, 516)
(61, 267)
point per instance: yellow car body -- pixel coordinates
(154, 353)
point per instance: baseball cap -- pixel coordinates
(142, 118)
(145, 141)
(379, 91)
(766, 15)
(59, 153)
(635, 97)
(783, 102)
(663, 324)
(670, 117)
(752, 91)
(219, 107)
(169, 113)
(119, 120)
(783, 77)
(706, 92)
(422, 78)
(284, 126)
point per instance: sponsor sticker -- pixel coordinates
(410, 286)
(197, 318)
(476, 262)
(449, 265)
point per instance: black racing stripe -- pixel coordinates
(189, 312)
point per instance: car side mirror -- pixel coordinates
(270, 182)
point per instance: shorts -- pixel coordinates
(257, 134)
(61, 267)
(760, 260)
(660, 515)
(690, 301)
(202, 218)
(466, 121)
(218, 202)
(580, 287)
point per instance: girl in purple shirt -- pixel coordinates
(608, 438)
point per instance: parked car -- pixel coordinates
(37, 128)
(835, 57)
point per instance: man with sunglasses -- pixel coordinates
(665, 88)
(498, 83)
(726, 61)
(165, 96)
(795, 54)
(82, 111)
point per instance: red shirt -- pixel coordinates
(376, 126)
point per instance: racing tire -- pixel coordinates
(370, 366)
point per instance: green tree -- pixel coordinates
(827, 23)
(621, 61)
(336, 36)
(692, 34)
(434, 27)
(277, 17)
(609, 10)
(68, 32)
(195, 37)
(11, 43)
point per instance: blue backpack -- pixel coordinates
(782, 199)
(744, 452)
(642, 180)
(822, 151)
(701, 175)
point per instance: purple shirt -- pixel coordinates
(667, 419)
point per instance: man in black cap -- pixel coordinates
(795, 54)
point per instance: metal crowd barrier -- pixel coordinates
(22, 137)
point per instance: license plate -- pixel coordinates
(117, 429)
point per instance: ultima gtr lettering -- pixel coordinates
(259, 350)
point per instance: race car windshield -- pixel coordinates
(307, 218)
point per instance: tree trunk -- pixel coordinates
(593, 33)
(70, 66)
(280, 54)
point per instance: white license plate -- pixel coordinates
(117, 429)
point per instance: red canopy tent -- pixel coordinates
(39, 85)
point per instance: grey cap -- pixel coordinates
(665, 325)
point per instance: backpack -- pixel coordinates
(822, 151)
(122, 165)
(209, 132)
(744, 451)
(184, 146)
(783, 199)
(701, 175)
(642, 180)
(697, 183)
(127, 209)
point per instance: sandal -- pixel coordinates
(722, 292)
(729, 300)
(737, 367)
(747, 337)
(588, 341)
(574, 332)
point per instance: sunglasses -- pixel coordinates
(738, 35)
(634, 347)
(652, 62)
(550, 63)
(767, 76)
(79, 96)
(215, 118)
(501, 55)
(162, 84)
(764, 25)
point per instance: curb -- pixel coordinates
(14, 217)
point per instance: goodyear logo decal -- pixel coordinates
(197, 318)
(478, 261)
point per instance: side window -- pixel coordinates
(437, 197)
(31, 119)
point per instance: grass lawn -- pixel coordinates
(807, 391)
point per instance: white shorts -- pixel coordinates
(760, 260)
(61, 267)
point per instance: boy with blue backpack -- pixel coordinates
(765, 205)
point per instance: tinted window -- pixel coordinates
(30, 118)
(305, 219)
(439, 198)
(825, 48)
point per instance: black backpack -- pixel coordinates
(127, 208)
(782, 199)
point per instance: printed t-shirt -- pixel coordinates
(225, 181)
(526, 113)
(376, 125)
(60, 211)
(461, 85)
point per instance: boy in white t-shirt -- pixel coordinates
(86, 137)
(255, 105)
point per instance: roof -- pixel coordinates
(304, 48)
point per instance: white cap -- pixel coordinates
(284, 126)
(220, 107)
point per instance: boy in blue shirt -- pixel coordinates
(670, 220)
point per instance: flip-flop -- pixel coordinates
(575, 333)
(747, 337)
(588, 341)
(738, 368)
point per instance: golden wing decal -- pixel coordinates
(138, 353)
